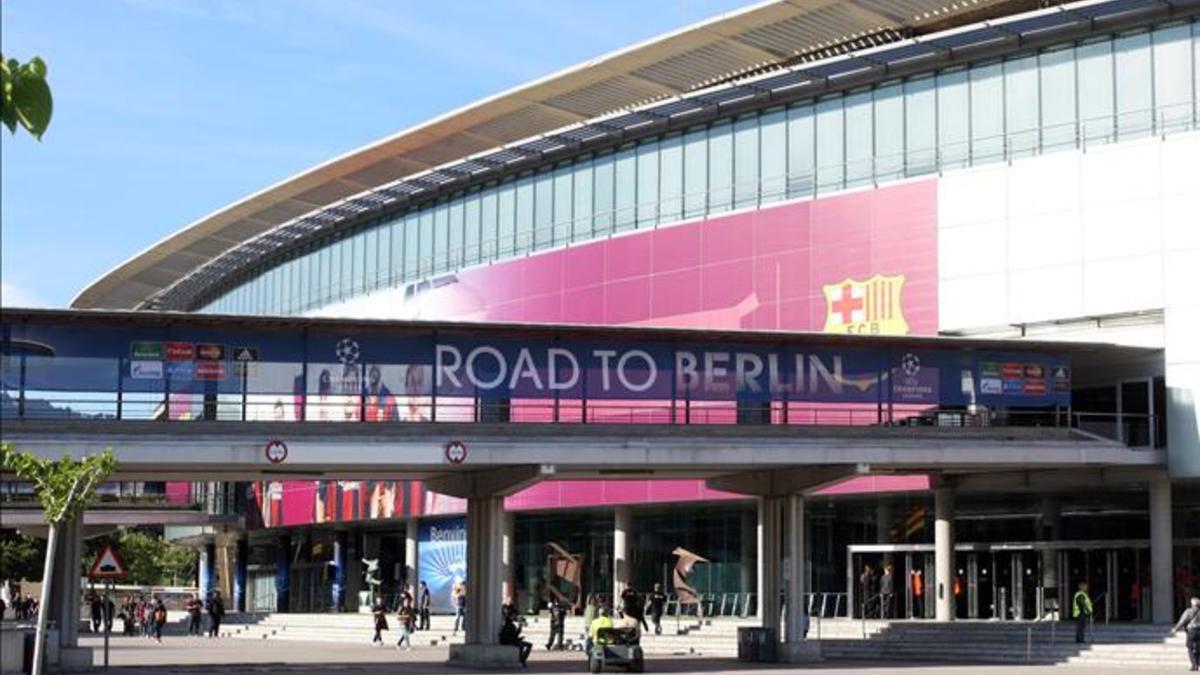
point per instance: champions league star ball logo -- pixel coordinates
(347, 351)
(910, 364)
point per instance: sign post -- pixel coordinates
(107, 567)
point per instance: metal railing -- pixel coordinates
(808, 181)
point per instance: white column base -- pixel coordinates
(804, 651)
(484, 656)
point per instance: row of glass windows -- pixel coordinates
(1096, 91)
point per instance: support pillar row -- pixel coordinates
(622, 526)
(485, 516)
(771, 561)
(1161, 553)
(943, 553)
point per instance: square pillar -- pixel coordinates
(1161, 577)
(485, 523)
(943, 553)
(770, 556)
(622, 527)
(410, 555)
(508, 563)
(241, 558)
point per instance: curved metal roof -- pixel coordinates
(764, 37)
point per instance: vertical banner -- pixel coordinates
(442, 558)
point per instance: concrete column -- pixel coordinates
(749, 550)
(410, 555)
(205, 576)
(508, 563)
(1050, 531)
(283, 574)
(66, 588)
(338, 588)
(484, 555)
(1161, 579)
(770, 561)
(793, 519)
(759, 570)
(241, 557)
(622, 527)
(943, 553)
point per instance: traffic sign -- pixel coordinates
(456, 452)
(107, 565)
(276, 451)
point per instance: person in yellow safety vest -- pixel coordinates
(1081, 611)
(602, 621)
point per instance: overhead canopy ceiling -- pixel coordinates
(762, 37)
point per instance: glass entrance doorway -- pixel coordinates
(1002, 582)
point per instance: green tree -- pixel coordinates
(149, 559)
(21, 557)
(66, 488)
(26, 99)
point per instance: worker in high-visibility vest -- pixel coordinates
(1081, 611)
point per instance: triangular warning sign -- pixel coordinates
(107, 565)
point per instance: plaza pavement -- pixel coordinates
(184, 655)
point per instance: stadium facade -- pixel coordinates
(993, 169)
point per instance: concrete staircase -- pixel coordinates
(1117, 645)
(685, 638)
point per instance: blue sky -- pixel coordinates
(168, 109)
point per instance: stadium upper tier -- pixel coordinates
(721, 70)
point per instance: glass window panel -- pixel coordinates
(773, 163)
(471, 219)
(325, 289)
(860, 139)
(396, 268)
(335, 270)
(1173, 76)
(695, 173)
(455, 246)
(425, 242)
(1135, 96)
(831, 150)
(987, 113)
(412, 248)
(647, 184)
(347, 277)
(745, 162)
(1058, 98)
(1021, 104)
(507, 212)
(489, 235)
(543, 210)
(1094, 68)
(441, 237)
(720, 167)
(802, 168)
(357, 262)
(581, 215)
(561, 218)
(604, 175)
(920, 126)
(953, 118)
(625, 183)
(889, 132)
(383, 270)
(524, 240)
(670, 180)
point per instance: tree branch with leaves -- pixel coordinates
(66, 488)
(26, 99)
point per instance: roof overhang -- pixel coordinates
(762, 37)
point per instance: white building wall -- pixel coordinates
(1112, 230)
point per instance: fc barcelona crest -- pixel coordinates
(870, 307)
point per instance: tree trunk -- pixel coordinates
(39, 645)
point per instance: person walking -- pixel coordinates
(1081, 611)
(426, 606)
(870, 590)
(558, 624)
(158, 619)
(379, 610)
(887, 591)
(97, 610)
(194, 609)
(459, 597)
(1190, 621)
(407, 621)
(216, 611)
(589, 613)
(658, 603)
(633, 607)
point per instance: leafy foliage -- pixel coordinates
(21, 557)
(26, 96)
(149, 559)
(65, 487)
